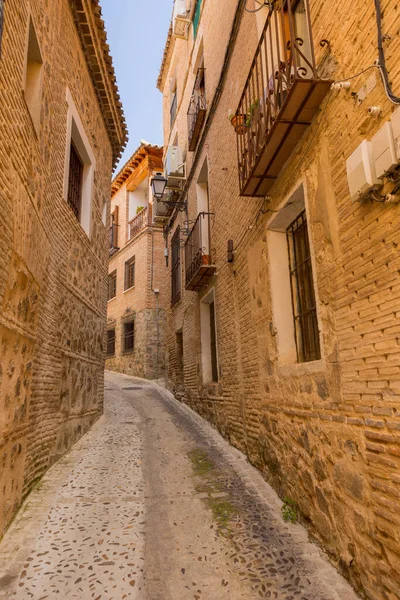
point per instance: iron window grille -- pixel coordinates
(75, 182)
(130, 273)
(112, 285)
(111, 342)
(128, 341)
(303, 294)
(176, 266)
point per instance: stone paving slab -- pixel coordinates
(153, 504)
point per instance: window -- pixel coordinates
(114, 230)
(128, 341)
(1, 22)
(75, 181)
(179, 358)
(110, 342)
(303, 295)
(299, 22)
(196, 18)
(130, 273)
(174, 106)
(33, 77)
(213, 343)
(176, 266)
(292, 285)
(112, 285)
(208, 333)
(80, 165)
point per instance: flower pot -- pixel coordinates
(239, 124)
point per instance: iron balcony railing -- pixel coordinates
(197, 111)
(138, 223)
(281, 96)
(114, 238)
(198, 257)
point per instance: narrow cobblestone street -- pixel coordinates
(153, 504)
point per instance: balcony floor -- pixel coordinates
(201, 278)
(300, 107)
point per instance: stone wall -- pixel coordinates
(325, 434)
(52, 276)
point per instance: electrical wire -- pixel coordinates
(265, 4)
(375, 66)
(382, 60)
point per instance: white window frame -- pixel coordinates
(76, 133)
(279, 274)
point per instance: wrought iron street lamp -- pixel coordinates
(158, 185)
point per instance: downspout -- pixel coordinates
(156, 292)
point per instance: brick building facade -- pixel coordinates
(62, 130)
(137, 271)
(285, 294)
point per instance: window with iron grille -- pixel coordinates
(75, 181)
(303, 294)
(176, 266)
(128, 341)
(130, 273)
(110, 342)
(112, 285)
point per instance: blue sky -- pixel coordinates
(136, 32)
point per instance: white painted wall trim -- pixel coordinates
(76, 132)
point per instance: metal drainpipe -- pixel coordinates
(157, 332)
(156, 292)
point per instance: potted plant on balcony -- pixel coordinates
(251, 112)
(239, 123)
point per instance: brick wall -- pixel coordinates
(139, 302)
(52, 276)
(326, 435)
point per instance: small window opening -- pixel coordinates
(130, 273)
(129, 336)
(110, 342)
(33, 77)
(75, 182)
(112, 285)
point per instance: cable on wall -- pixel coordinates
(265, 4)
(382, 60)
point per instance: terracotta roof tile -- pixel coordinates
(91, 27)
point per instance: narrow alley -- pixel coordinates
(153, 504)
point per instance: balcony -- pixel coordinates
(114, 239)
(282, 95)
(138, 223)
(197, 111)
(198, 257)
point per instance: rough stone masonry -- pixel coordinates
(53, 265)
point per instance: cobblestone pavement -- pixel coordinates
(153, 504)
